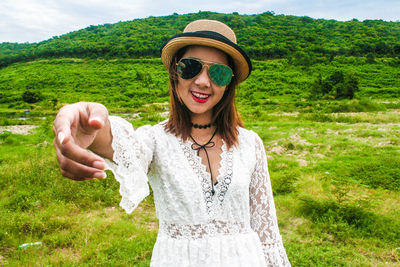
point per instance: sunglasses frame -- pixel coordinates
(204, 64)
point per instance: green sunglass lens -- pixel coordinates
(188, 68)
(220, 74)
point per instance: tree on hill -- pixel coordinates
(338, 85)
(31, 96)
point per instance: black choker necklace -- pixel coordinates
(200, 126)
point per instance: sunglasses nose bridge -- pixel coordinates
(208, 65)
(200, 78)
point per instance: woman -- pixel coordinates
(209, 175)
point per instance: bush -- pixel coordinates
(363, 105)
(371, 58)
(284, 182)
(383, 172)
(347, 87)
(342, 220)
(21, 201)
(338, 85)
(7, 138)
(31, 96)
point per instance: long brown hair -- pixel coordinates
(225, 114)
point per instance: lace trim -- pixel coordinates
(275, 255)
(226, 168)
(130, 163)
(262, 210)
(224, 178)
(195, 231)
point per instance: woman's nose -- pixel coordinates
(203, 79)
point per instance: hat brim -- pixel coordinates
(242, 63)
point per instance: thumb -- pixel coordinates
(96, 122)
(98, 115)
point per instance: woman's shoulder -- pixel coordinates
(159, 128)
(246, 133)
(248, 137)
(152, 127)
(151, 135)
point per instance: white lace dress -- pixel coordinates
(236, 226)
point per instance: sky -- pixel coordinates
(37, 20)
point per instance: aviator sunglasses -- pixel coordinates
(189, 68)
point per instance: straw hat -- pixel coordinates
(209, 33)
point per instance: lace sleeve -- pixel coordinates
(133, 153)
(262, 211)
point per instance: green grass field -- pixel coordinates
(334, 165)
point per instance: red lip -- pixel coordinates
(200, 100)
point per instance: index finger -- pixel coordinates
(63, 122)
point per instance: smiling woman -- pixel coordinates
(200, 93)
(209, 175)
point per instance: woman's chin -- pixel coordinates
(200, 111)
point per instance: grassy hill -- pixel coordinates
(263, 36)
(126, 84)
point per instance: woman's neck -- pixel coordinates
(203, 119)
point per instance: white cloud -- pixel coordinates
(37, 20)
(34, 15)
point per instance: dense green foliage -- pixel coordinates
(31, 96)
(337, 85)
(303, 40)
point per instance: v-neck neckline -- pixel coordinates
(224, 177)
(203, 167)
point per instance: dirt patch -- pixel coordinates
(302, 162)
(386, 143)
(278, 150)
(352, 114)
(18, 129)
(291, 147)
(2, 260)
(151, 225)
(60, 255)
(164, 114)
(157, 104)
(296, 138)
(290, 114)
(270, 157)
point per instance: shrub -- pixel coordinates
(338, 85)
(342, 220)
(7, 138)
(284, 182)
(21, 201)
(31, 96)
(371, 58)
(363, 105)
(347, 87)
(383, 172)
(301, 59)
